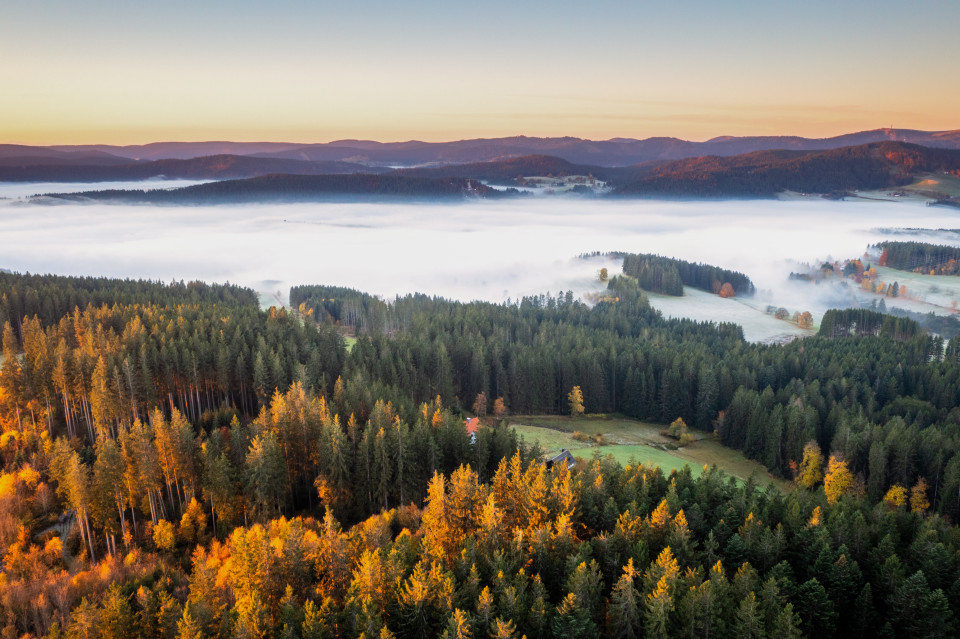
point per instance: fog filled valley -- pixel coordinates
(465, 251)
(371, 419)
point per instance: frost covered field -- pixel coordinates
(472, 250)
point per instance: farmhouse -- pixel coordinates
(564, 456)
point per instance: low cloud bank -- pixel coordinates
(474, 250)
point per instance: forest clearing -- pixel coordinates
(641, 442)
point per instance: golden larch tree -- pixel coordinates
(896, 496)
(918, 497)
(838, 479)
(811, 467)
(575, 397)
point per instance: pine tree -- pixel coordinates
(84, 621)
(116, 617)
(189, 627)
(624, 614)
(458, 626)
(749, 623)
(266, 473)
(572, 621)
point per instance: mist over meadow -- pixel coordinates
(472, 250)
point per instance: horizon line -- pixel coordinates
(468, 139)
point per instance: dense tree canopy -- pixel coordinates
(239, 472)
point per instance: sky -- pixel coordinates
(316, 71)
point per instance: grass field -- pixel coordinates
(931, 186)
(936, 186)
(758, 326)
(641, 442)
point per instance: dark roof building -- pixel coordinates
(563, 457)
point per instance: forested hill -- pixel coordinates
(920, 257)
(668, 276)
(214, 167)
(299, 188)
(758, 174)
(183, 464)
(766, 173)
(507, 171)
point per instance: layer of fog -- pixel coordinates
(17, 190)
(474, 250)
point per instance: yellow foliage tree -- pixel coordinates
(815, 518)
(918, 497)
(660, 516)
(576, 401)
(896, 496)
(164, 535)
(838, 479)
(678, 428)
(811, 467)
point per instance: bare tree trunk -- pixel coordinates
(93, 556)
(123, 522)
(213, 516)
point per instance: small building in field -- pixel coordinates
(563, 457)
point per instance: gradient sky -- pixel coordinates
(314, 71)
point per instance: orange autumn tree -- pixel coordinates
(499, 408)
(918, 497)
(480, 405)
(727, 290)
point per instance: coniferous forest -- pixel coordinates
(178, 462)
(669, 275)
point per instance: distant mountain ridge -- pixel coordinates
(612, 153)
(21, 155)
(765, 173)
(758, 174)
(213, 167)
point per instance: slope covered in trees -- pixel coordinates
(297, 188)
(766, 173)
(208, 493)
